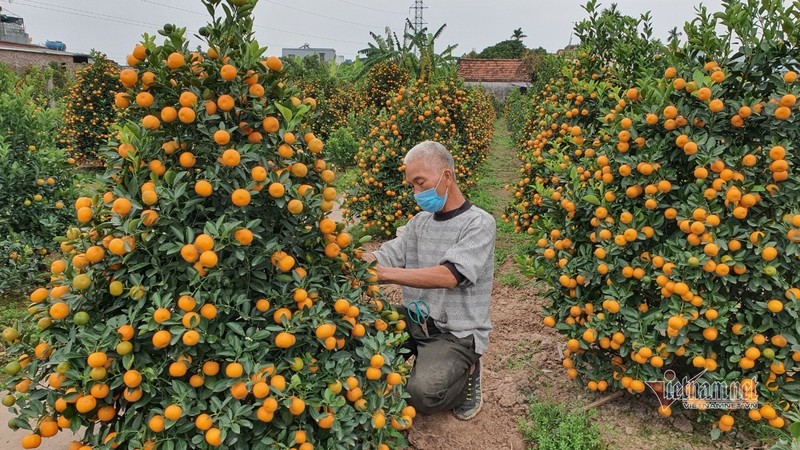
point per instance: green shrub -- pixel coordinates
(36, 178)
(342, 146)
(19, 265)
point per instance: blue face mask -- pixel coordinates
(431, 201)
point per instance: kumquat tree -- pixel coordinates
(660, 183)
(460, 118)
(205, 299)
(90, 112)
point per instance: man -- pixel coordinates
(445, 258)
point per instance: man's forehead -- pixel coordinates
(416, 169)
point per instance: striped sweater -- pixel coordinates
(462, 239)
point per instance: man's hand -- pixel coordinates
(368, 257)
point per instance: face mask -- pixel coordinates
(429, 200)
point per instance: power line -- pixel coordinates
(83, 13)
(322, 15)
(258, 26)
(370, 8)
(137, 23)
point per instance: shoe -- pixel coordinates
(474, 400)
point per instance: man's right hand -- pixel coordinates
(368, 257)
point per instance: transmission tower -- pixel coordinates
(419, 22)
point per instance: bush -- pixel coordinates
(669, 228)
(36, 179)
(341, 147)
(90, 111)
(336, 105)
(461, 120)
(37, 182)
(204, 300)
(19, 265)
(49, 84)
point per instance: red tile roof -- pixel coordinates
(498, 70)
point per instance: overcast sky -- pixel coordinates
(115, 26)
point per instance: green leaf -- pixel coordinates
(236, 328)
(795, 430)
(285, 112)
(592, 199)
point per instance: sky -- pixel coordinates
(115, 26)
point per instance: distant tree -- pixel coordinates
(348, 70)
(518, 35)
(508, 49)
(542, 64)
(311, 75)
(431, 63)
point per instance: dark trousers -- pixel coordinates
(441, 367)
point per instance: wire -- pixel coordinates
(370, 8)
(323, 16)
(256, 26)
(137, 23)
(83, 13)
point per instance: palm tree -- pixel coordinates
(518, 35)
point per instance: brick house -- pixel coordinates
(21, 56)
(497, 76)
(17, 51)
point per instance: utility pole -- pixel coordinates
(419, 22)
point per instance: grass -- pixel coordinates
(345, 178)
(489, 192)
(520, 356)
(549, 426)
(510, 279)
(12, 309)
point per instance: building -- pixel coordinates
(497, 76)
(12, 29)
(17, 51)
(21, 56)
(325, 55)
(568, 49)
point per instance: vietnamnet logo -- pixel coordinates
(696, 393)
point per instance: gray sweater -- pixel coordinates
(463, 240)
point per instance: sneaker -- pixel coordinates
(474, 400)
